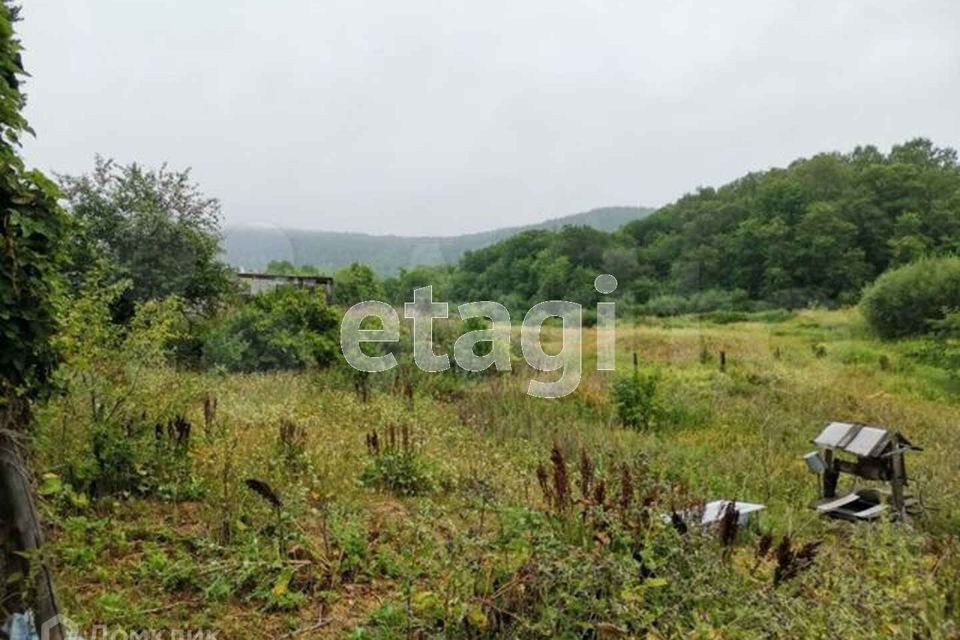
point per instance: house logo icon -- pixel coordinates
(68, 627)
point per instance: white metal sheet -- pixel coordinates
(836, 435)
(871, 512)
(868, 441)
(814, 462)
(839, 502)
(713, 511)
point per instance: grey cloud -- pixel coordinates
(441, 117)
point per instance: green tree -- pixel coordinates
(287, 268)
(281, 268)
(621, 262)
(828, 260)
(288, 328)
(552, 272)
(399, 289)
(922, 152)
(356, 283)
(908, 242)
(111, 374)
(154, 227)
(33, 230)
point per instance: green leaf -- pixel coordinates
(50, 485)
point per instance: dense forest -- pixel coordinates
(815, 232)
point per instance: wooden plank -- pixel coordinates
(839, 502)
(871, 512)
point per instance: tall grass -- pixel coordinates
(486, 551)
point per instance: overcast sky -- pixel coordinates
(414, 117)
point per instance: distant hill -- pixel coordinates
(251, 248)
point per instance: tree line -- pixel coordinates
(815, 232)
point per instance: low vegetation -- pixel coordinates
(295, 503)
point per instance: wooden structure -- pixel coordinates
(870, 453)
(255, 283)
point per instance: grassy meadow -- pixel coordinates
(478, 511)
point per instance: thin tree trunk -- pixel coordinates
(21, 527)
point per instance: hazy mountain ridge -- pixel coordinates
(251, 248)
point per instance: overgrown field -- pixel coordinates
(324, 504)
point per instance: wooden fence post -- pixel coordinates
(21, 528)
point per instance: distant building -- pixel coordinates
(255, 283)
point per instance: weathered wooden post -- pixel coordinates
(897, 482)
(830, 476)
(21, 533)
(209, 413)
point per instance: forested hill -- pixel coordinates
(814, 232)
(252, 248)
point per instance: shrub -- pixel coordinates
(136, 458)
(725, 317)
(774, 316)
(800, 297)
(111, 376)
(397, 466)
(636, 399)
(666, 305)
(400, 472)
(283, 329)
(907, 300)
(700, 302)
